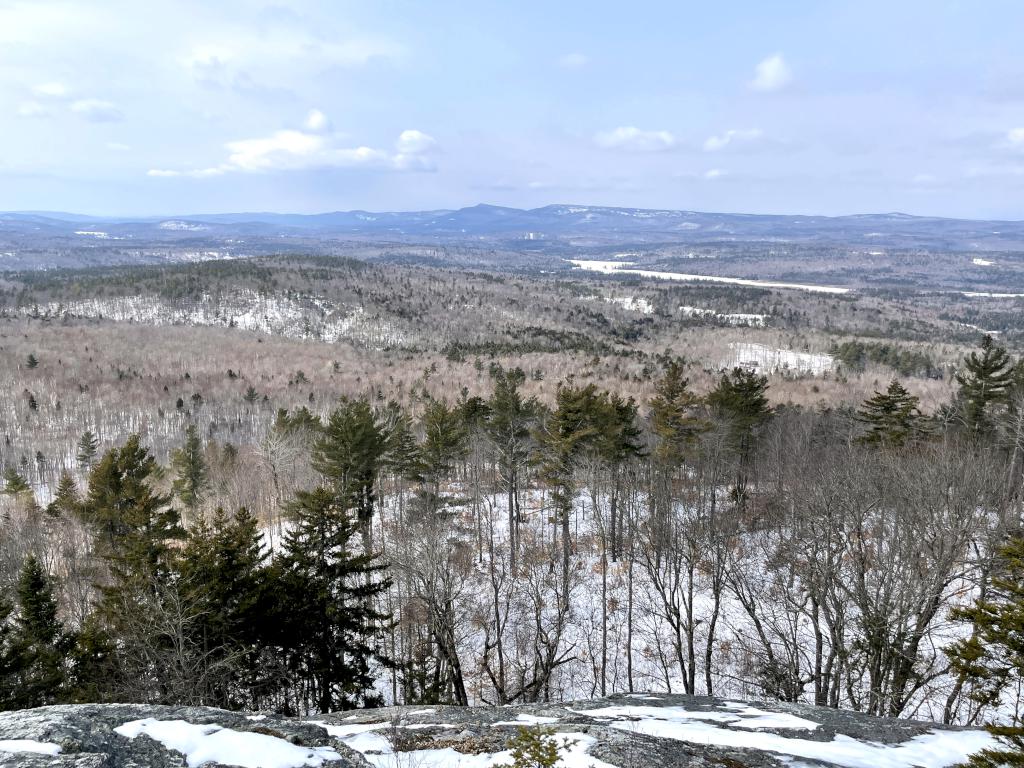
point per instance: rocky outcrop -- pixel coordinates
(637, 731)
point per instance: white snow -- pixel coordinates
(28, 745)
(760, 357)
(202, 744)
(982, 262)
(621, 268)
(935, 749)
(987, 295)
(525, 719)
(634, 304)
(732, 318)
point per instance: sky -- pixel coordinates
(817, 107)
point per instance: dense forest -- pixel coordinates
(499, 549)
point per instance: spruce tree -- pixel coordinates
(350, 453)
(327, 620)
(993, 656)
(190, 474)
(984, 382)
(38, 639)
(134, 524)
(892, 417)
(88, 446)
(222, 572)
(11, 661)
(66, 499)
(445, 440)
(14, 483)
(740, 400)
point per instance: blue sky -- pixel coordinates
(160, 107)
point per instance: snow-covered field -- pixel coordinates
(305, 317)
(731, 318)
(765, 359)
(624, 268)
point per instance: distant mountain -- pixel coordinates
(565, 224)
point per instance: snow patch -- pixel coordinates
(732, 318)
(28, 745)
(202, 744)
(759, 357)
(620, 268)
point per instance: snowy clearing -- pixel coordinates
(622, 268)
(732, 318)
(762, 358)
(202, 744)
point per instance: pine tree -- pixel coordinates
(993, 656)
(191, 481)
(66, 499)
(32, 361)
(350, 454)
(984, 382)
(88, 445)
(740, 400)
(674, 416)
(38, 639)
(326, 590)
(11, 661)
(444, 443)
(14, 483)
(892, 417)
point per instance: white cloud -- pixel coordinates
(51, 90)
(1015, 138)
(573, 61)
(633, 139)
(714, 173)
(97, 110)
(771, 74)
(715, 143)
(317, 120)
(33, 109)
(117, 146)
(292, 150)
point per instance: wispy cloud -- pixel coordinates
(573, 61)
(632, 139)
(734, 136)
(771, 74)
(97, 110)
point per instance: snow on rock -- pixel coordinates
(29, 745)
(765, 359)
(202, 744)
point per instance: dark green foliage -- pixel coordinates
(66, 499)
(38, 640)
(533, 748)
(134, 525)
(892, 417)
(223, 574)
(992, 658)
(14, 483)
(984, 382)
(326, 620)
(189, 465)
(740, 402)
(855, 355)
(675, 419)
(350, 453)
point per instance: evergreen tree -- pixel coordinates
(445, 442)
(740, 400)
(993, 656)
(191, 481)
(892, 417)
(14, 483)
(222, 571)
(349, 454)
(88, 446)
(32, 361)
(984, 382)
(38, 639)
(11, 661)
(134, 524)
(326, 591)
(674, 416)
(66, 498)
